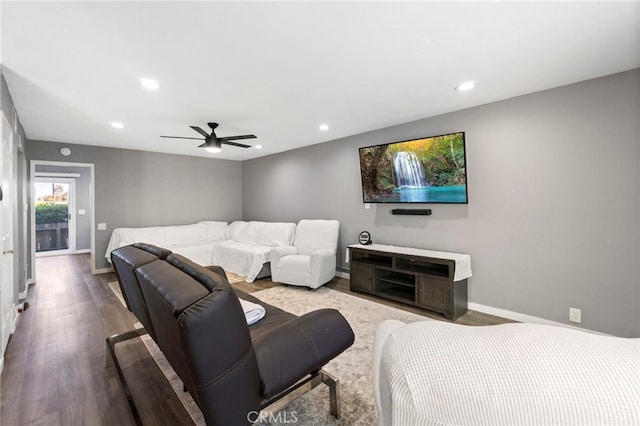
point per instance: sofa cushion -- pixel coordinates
(272, 318)
(233, 229)
(241, 258)
(214, 230)
(125, 261)
(271, 234)
(185, 234)
(201, 253)
(212, 278)
(151, 235)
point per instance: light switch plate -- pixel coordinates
(102, 227)
(82, 211)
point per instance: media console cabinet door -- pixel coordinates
(434, 293)
(361, 277)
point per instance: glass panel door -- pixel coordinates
(52, 198)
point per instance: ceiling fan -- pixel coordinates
(213, 143)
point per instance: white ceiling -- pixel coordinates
(279, 69)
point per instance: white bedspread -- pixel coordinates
(437, 373)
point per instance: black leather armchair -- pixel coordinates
(229, 368)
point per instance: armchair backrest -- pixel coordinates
(315, 234)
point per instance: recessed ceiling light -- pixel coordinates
(213, 149)
(323, 127)
(149, 84)
(467, 85)
(258, 146)
(116, 125)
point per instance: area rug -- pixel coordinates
(234, 278)
(352, 368)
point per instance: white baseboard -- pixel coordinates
(83, 251)
(16, 316)
(516, 316)
(23, 294)
(102, 271)
(342, 274)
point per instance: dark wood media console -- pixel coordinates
(422, 278)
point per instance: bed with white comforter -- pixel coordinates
(438, 373)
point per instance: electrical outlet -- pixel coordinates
(102, 227)
(575, 315)
(367, 206)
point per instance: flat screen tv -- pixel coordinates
(426, 170)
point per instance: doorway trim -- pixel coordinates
(92, 208)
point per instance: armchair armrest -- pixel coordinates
(323, 266)
(278, 252)
(274, 257)
(299, 347)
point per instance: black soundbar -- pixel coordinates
(422, 212)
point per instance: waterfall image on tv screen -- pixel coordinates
(427, 170)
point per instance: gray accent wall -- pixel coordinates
(136, 188)
(553, 219)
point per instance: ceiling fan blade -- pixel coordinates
(232, 138)
(236, 144)
(199, 130)
(180, 137)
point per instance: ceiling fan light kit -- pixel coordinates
(213, 143)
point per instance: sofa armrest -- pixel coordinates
(323, 266)
(274, 257)
(300, 347)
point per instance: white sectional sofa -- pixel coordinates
(240, 247)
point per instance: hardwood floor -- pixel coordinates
(54, 371)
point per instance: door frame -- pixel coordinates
(71, 208)
(7, 323)
(92, 208)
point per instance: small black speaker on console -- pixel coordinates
(420, 212)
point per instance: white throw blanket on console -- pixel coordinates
(252, 311)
